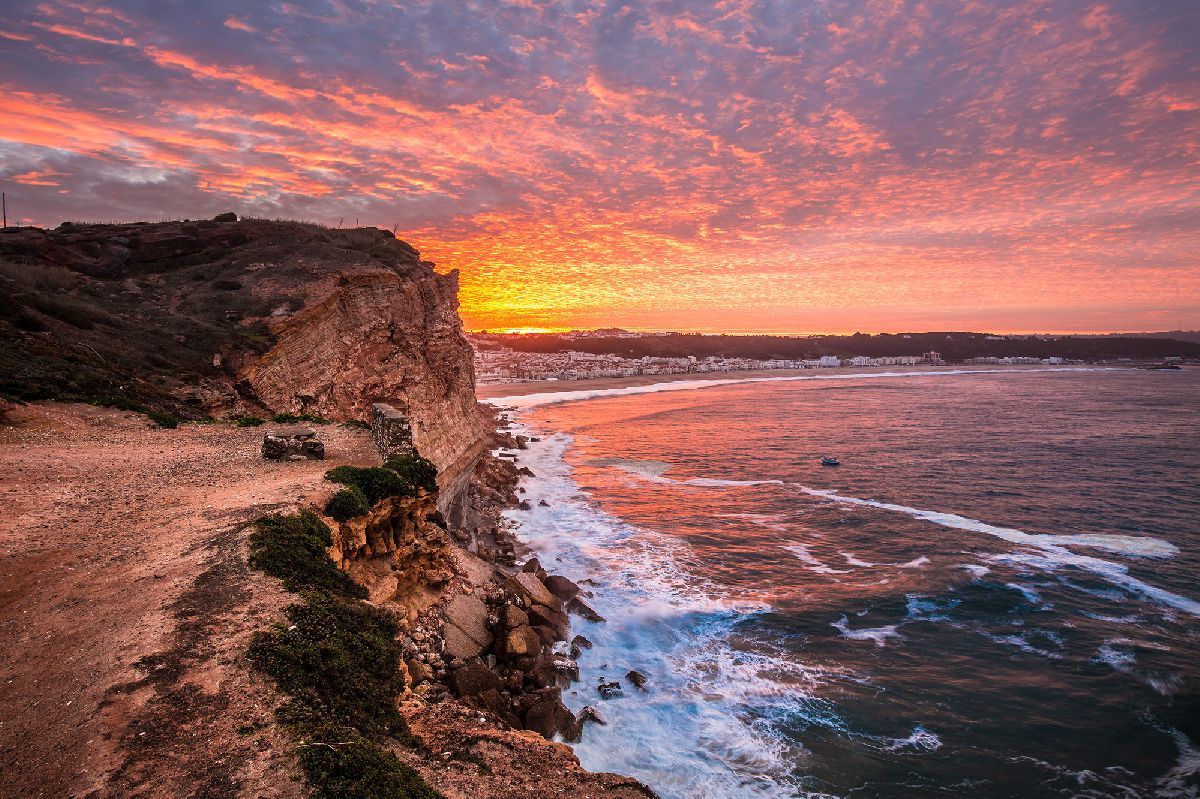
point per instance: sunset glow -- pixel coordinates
(736, 166)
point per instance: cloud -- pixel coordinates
(660, 164)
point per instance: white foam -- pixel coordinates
(920, 739)
(852, 560)
(1052, 555)
(812, 563)
(877, 634)
(699, 730)
(525, 401)
(916, 563)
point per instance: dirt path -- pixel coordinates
(125, 604)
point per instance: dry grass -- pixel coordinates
(42, 278)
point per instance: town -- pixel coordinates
(496, 363)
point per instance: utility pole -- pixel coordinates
(4, 202)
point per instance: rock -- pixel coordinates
(555, 620)
(524, 505)
(609, 690)
(292, 443)
(543, 503)
(561, 587)
(225, 218)
(522, 442)
(514, 617)
(465, 632)
(546, 714)
(637, 678)
(581, 608)
(531, 590)
(526, 471)
(418, 672)
(522, 642)
(474, 678)
(590, 713)
(581, 642)
(532, 566)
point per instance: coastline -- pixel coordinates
(494, 391)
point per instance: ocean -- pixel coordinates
(994, 595)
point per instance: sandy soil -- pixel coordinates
(492, 390)
(126, 605)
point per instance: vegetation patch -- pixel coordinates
(356, 424)
(337, 660)
(292, 548)
(249, 421)
(399, 477)
(347, 504)
(296, 418)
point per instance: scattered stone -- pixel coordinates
(543, 503)
(293, 444)
(524, 505)
(555, 620)
(529, 588)
(581, 608)
(526, 471)
(418, 672)
(521, 642)
(531, 566)
(609, 690)
(637, 678)
(514, 617)
(590, 713)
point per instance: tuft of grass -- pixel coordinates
(163, 419)
(347, 504)
(249, 421)
(292, 548)
(295, 418)
(39, 276)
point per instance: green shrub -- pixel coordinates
(375, 482)
(249, 421)
(163, 419)
(415, 471)
(347, 503)
(292, 548)
(346, 766)
(294, 418)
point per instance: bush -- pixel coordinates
(163, 419)
(356, 769)
(293, 418)
(249, 421)
(292, 548)
(347, 504)
(415, 471)
(374, 482)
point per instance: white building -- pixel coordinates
(830, 360)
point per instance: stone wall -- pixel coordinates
(391, 431)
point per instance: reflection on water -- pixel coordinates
(994, 595)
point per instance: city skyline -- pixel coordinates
(736, 167)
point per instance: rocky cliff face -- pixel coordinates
(227, 318)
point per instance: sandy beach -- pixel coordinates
(493, 390)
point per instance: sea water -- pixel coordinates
(995, 594)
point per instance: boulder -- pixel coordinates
(609, 690)
(293, 444)
(465, 632)
(545, 713)
(514, 617)
(531, 566)
(590, 713)
(561, 587)
(581, 608)
(637, 678)
(522, 642)
(531, 590)
(555, 620)
(474, 678)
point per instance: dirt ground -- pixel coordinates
(126, 605)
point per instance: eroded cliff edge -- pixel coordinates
(225, 318)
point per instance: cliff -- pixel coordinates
(225, 318)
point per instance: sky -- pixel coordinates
(734, 166)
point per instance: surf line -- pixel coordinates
(526, 401)
(1053, 546)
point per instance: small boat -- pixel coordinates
(830, 462)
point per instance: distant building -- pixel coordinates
(830, 360)
(933, 359)
(862, 360)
